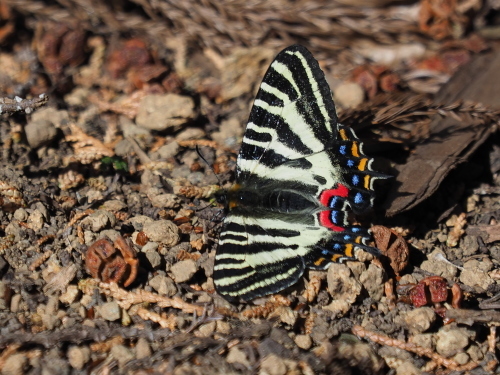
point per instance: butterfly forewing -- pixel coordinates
(298, 175)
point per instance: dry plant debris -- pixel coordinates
(112, 262)
(18, 104)
(393, 246)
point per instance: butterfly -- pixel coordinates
(300, 175)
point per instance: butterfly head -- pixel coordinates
(221, 196)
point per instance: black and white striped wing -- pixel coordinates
(299, 172)
(293, 115)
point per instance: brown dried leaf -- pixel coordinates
(392, 245)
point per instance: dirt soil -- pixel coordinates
(114, 141)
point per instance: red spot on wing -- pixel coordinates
(325, 197)
(326, 221)
(340, 191)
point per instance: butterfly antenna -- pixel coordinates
(208, 164)
(216, 218)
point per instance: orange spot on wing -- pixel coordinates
(362, 164)
(343, 135)
(367, 182)
(348, 250)
(336, 257)
(355, 149)
(319, 261)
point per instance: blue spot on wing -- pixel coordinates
(333, 202)
(358, 198)
(355, 179)
(342, 149)
(350, 163)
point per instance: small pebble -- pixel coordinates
(223, 327)
(167, 111)
(78, 356)
(162, 231)
(475, 353)
(50, 321)
(451, 340)
(99, 220)
(461, 358)
(407, 368)
(205, 330)
(182, 271)
(169, 150)
(40, 133)
(229, 134)
(349, 95)
(122, 354)
(438, 267)
(191, 133)
(163, 285)
(303, 341)
(165, 201)
(286, 315)
(21, 214)
(15, 364)
(142, 348)
(475, 274)
(36, 220)
(71, 295)
(420, 320)
(273, 365)
(373, 281)
(14, 303)
(236, 355)
(343, 287)
(154, 259)
(150, 246)
(4, 295)
(110, 311)
(113, 205)
(425, 340)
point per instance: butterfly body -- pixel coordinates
(299, 177)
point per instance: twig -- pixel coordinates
(198, 142)
(492, 339)
(473, 316)
(263, 311)
(78, 216)
(169, 322)
(40, 260)
(126, 299)
(11, 106)
(410, 347)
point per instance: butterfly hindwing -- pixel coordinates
(299, 176)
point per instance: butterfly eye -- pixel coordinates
(221, 197)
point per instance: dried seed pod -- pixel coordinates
(141, 239)
(419, 296)
(431, 290)
(438, 288)
(112, 262)
(393, 246)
